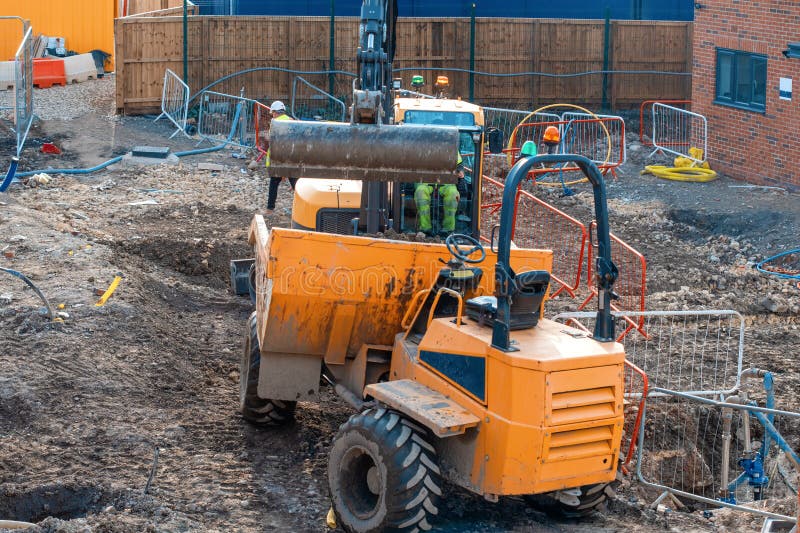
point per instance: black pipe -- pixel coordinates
(604, 267)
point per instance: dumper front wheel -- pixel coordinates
(259, 411)
(573, 503)
(383, 474)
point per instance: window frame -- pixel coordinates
(732, 100)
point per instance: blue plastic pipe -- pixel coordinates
(101, 166)
(10, 176)
(14, 161)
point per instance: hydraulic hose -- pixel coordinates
(101, 166)
(30, 284)
(202, 150)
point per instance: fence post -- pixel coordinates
(472, 54)
(332, 45)
(606, 43)
(185, 43)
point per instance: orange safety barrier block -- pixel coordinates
(48, 72)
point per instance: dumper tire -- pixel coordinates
(591, 499)
(254, 409)
(383, 474)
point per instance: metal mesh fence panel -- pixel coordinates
(23, 90)
(491, 202)
(729, 453)
(503, 119)
(540, 225)
(677, 131)
(309, 102)
(175, 101)
(646, 117)
(261, 121)
(226, 118)
(586, 135)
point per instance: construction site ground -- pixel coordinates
(85, 404)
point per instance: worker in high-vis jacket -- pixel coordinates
(278, 112)
(450, 195)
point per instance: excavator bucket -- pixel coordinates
(367, 152)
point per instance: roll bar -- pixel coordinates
(504, 275)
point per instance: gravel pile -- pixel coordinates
(71, 101)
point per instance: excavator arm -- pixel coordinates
(372, 99)
(371, 148)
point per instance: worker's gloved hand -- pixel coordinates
(462, 186)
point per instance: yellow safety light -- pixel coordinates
(442, 81)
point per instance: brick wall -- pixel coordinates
(760, 148)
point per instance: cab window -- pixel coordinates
(439, 118)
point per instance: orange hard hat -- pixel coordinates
(551, 135)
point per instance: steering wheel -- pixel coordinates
(455, 241)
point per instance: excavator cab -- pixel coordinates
(334, 205)
(463, 197)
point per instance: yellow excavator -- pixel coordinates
(442, 349)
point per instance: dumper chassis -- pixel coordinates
(450, 383)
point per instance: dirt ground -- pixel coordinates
(86, 405)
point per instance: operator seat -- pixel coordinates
(527, 292)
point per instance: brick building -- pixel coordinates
(742, 82)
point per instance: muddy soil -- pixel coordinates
(123, 417)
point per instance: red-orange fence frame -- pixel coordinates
(636, 387)
(538, 224)
(261, 120)
(643, 115)
(589, 132)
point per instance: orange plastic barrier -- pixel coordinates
(48, 72)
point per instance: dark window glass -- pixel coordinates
(724, 75)
(760, 81)
(439, 118)
(741, 79)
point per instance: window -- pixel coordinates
(741, 79)
(440, 118)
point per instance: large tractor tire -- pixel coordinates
(573, 505)
(383, 474)
(259, 411)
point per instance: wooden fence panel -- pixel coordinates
(145, 48)
(219, 46)
(663, 46)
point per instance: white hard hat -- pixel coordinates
(277, 105)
